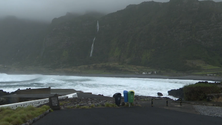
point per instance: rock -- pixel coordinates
(2, 101)
(178, 93)
(159, 94)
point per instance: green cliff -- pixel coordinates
(182, 35)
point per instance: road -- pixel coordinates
(126, 116)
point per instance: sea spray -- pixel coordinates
(97, 85)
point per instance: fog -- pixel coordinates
(49, 9)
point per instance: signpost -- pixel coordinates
(54, 102)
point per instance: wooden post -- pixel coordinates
(180, 101)
(152, 102)
(166, 102)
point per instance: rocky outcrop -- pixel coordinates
(178, 93)
(3, 100)
(3, 93)
(159, 94)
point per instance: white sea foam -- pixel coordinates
(97, 85)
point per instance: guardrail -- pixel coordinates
(35, 103)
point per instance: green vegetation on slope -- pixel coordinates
(153, 34)
(20, 115)
(199, 91)
(166, 36)
(20, 40)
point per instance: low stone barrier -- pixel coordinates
(35, 103)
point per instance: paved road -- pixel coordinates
(126, 116)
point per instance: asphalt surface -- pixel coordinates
(127, 116)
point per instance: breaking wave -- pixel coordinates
(97, 85)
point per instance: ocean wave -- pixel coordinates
(96, 85)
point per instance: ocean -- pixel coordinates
(106, 86)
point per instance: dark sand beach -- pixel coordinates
(160, 76)
(188, 77)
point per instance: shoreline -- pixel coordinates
(181, 77)
(185, 77)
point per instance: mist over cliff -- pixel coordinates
(180, 35)
(46, 10)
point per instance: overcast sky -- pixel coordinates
(49, 9)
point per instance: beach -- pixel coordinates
(185, 77)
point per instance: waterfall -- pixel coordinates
(97, 26)
(92, 47)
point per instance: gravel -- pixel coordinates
(209, 110)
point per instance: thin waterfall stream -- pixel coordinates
(92, 47)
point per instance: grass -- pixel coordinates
(70, 107)
(216, 72)
(203, 73)
(116, 68)
(199, 91)
(20, 115)
(77, 106)
(210, 67)
(204, 68)
(112, 68)
(62, 103)
(91, 106)
(85, 107)
(217, 99)
(109, 68)
(110, 105)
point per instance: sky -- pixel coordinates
(49, 9)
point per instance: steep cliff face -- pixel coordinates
(20, 40)
(172, 35)
(162, 35)
(69, 40)
(166, 35)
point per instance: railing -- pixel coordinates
(35, 103)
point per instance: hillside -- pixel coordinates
(173, 35)
(182, 35)
(20, 40)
